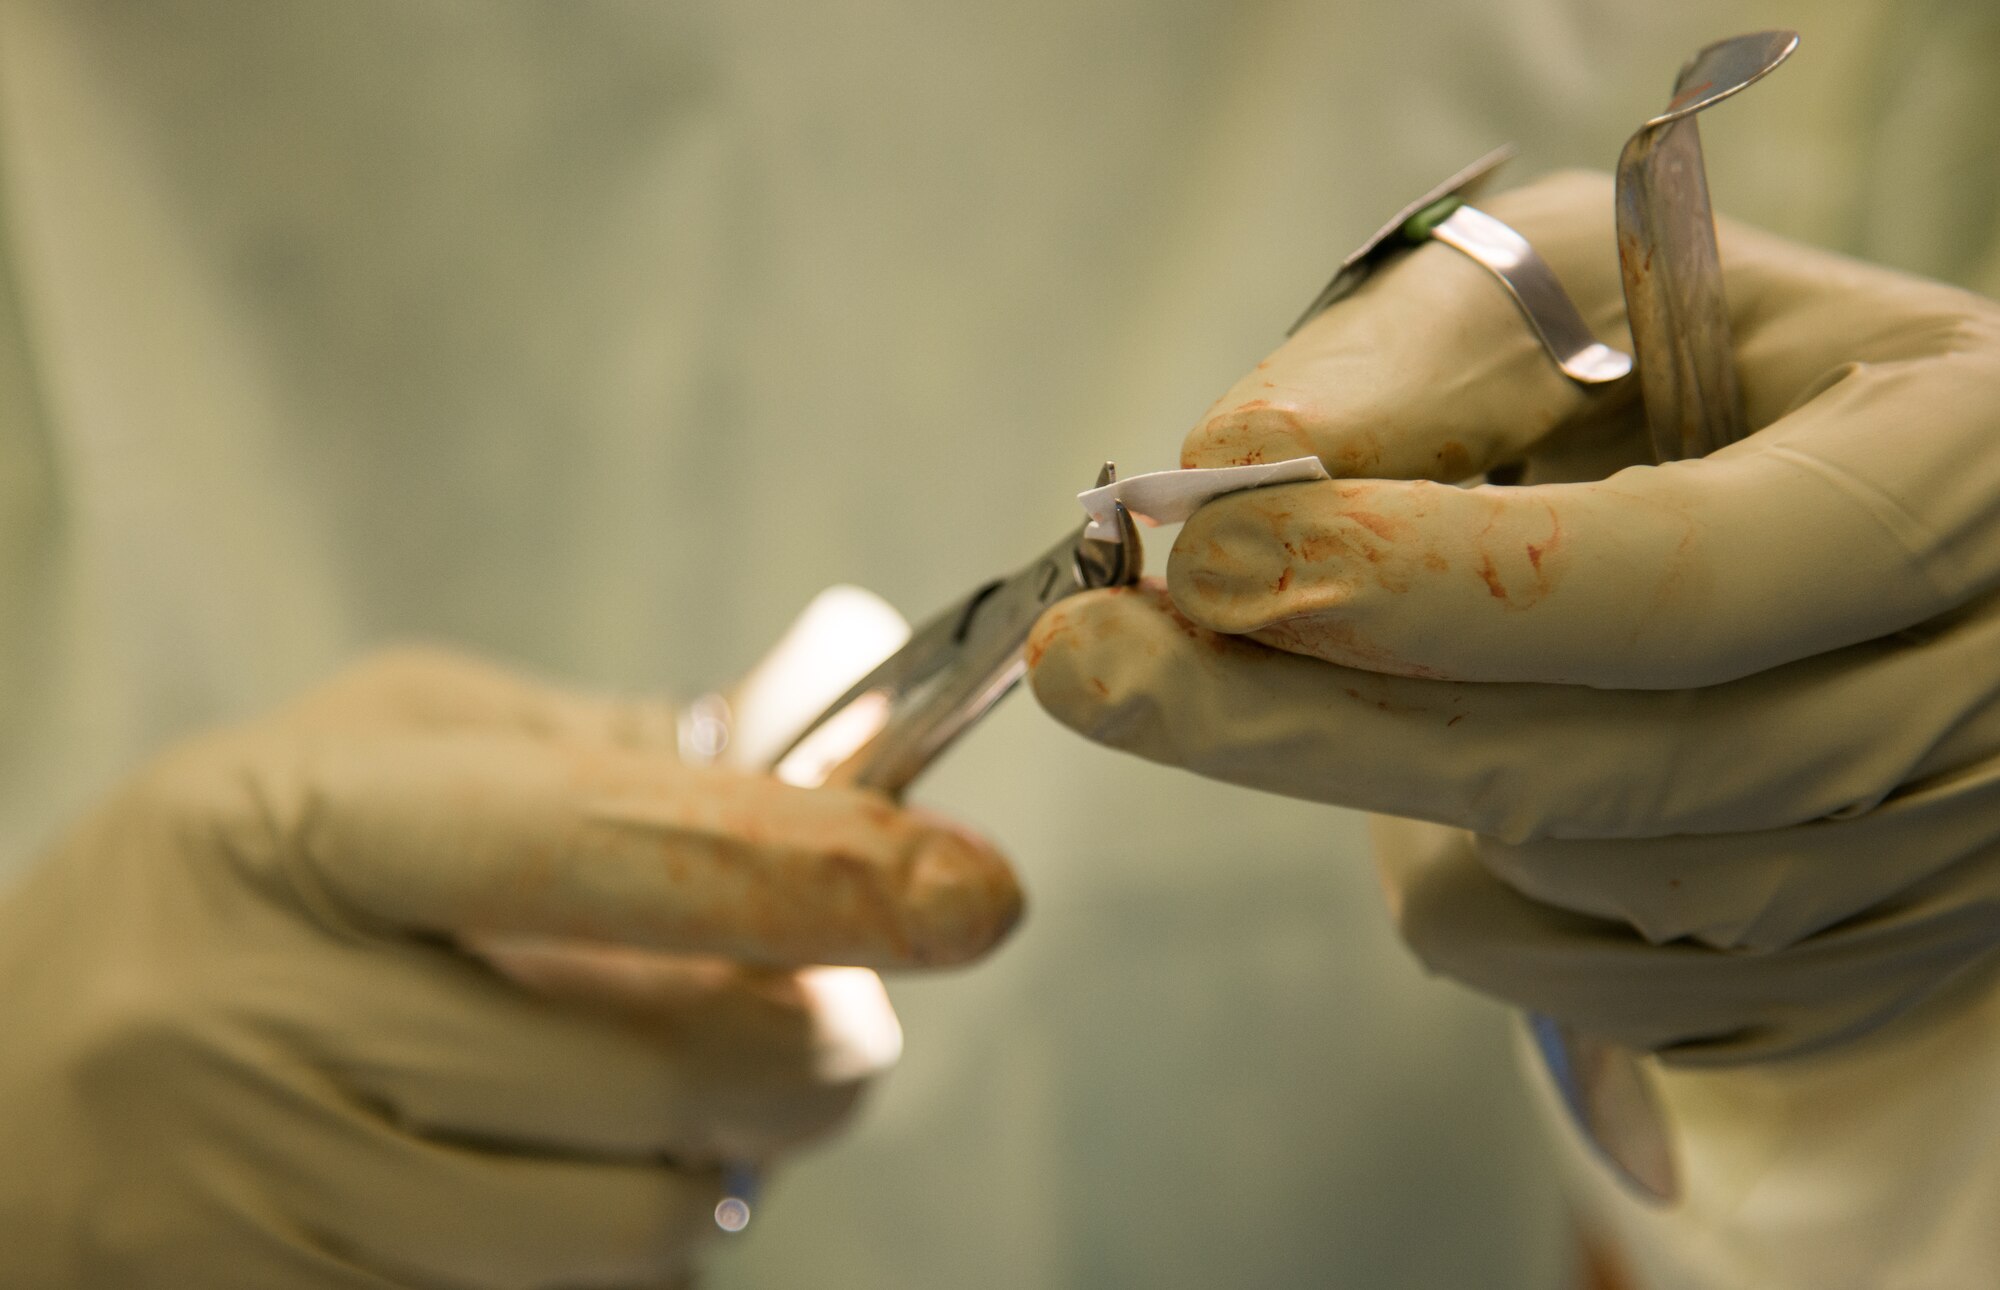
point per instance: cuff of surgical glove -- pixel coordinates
(1814, 1164)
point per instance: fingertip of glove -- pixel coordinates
(1082, 653)
(1060, 658)
(960, 898)
(1229, 570)
(1249, 432)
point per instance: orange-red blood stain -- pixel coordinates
(1491, 577)
(1235, 436)
(1547, 546)
(1357, 458)
(1103, 690)
(1284, 579)
(1455, 720)
(1319, 547)
(1038, 645)
(1380, 525)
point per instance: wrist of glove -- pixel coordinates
(441, 977)
(1714, 745)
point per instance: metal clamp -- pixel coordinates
(1667, 253)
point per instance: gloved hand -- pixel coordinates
(1716, 744)
(245, 1044)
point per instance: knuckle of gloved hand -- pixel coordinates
(407, 668)
(237, 801)
(208, 791)
(389, 679)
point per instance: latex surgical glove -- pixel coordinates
(1716, 743)
(247, 1045)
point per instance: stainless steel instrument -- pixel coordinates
(1687, 379)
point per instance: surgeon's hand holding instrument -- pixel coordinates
(443, 975)
(1690, 742)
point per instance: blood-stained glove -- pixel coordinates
(1717, 742)
(441, 978)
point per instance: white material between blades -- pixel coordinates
(1170, 496)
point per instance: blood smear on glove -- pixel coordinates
(1170, 496)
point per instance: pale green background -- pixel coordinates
(599, 336)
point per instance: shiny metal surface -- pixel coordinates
(896, 720)
(1535, 288)
(1390, 240)
(1687, 377)
(1666, 251)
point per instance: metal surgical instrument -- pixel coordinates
(1442, 214)
(1687, 378)
(889, 726)
(893, 722)
(1666, 251)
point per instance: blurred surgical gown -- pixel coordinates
(599, 336)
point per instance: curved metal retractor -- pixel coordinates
(1535, 288)
(1393, 238)
(1687, 379)
(1442, 214)
(893, 722)
(1667, 253)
